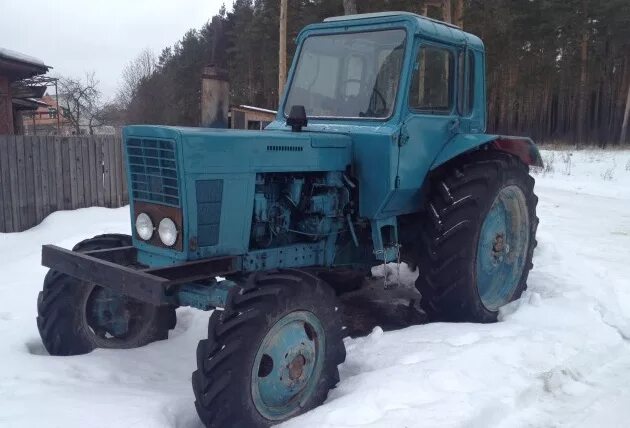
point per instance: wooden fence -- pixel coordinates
(40, 175)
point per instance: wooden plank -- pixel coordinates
(44, 176)
(13, 181)
(106, 174)
(37, 179)
(93, 172)
(22, 187)
(112, 169)
(79, 166)
(73, 173)
(99, 170)
(58, 173)
(87, 172)
(6, 220)
(30, 181)
(52, 175)
(124, 173)
(66, 173)
(119, 172)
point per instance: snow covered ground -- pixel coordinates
(560, 357)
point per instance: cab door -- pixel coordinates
(432, 119)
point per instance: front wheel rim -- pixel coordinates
(113, 319)
(502, 248)
(288, 365)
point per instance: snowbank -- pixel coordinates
(559, 356)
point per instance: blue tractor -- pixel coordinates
(378, 154)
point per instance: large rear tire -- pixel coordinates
(477, 238)
(74, 317)
(271, 354)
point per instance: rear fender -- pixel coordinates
(522, 147)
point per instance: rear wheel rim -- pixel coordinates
(502, 248)
(288, 365)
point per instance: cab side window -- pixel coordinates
(432, 81)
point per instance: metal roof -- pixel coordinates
(20, 57)
(427, 27)
(386, 14)
(17, 66)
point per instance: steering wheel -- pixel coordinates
(376, 95)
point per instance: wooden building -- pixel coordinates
(248, 117)
(16, 98)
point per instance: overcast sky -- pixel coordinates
(76, 36)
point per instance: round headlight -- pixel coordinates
(168, 232)
(144, 226)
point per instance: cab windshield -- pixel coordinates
(352, 75)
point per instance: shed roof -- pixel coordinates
(257, 109)
(16, 65)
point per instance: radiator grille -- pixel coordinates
(153, 167)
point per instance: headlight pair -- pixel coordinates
(167, 230)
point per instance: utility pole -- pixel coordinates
(446, 11)
(459, 13)
(349, 7)
(282, 63)
(443, 5)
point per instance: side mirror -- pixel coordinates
(297, 118)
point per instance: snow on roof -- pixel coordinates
(262, 110)
(39, 102)
(20, 57)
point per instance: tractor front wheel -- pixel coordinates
(74, 317)
(271, 354)
(477, 238)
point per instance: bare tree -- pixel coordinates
(349, 7)
(80, 100)
(138, 69)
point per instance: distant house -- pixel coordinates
(15, 98)
(46, 120)
(248, 117)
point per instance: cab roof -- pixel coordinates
(427, 27)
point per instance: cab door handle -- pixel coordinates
(453, 126)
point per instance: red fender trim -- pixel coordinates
(522, 147)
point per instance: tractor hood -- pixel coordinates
(204, 150)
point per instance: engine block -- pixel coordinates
(291, 208)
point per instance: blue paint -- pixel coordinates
(389, 159)
(288, 365)
(502, 248)
(204, 297)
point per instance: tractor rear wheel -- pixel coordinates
(477, 238)
(75, 317)
(271, 354)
